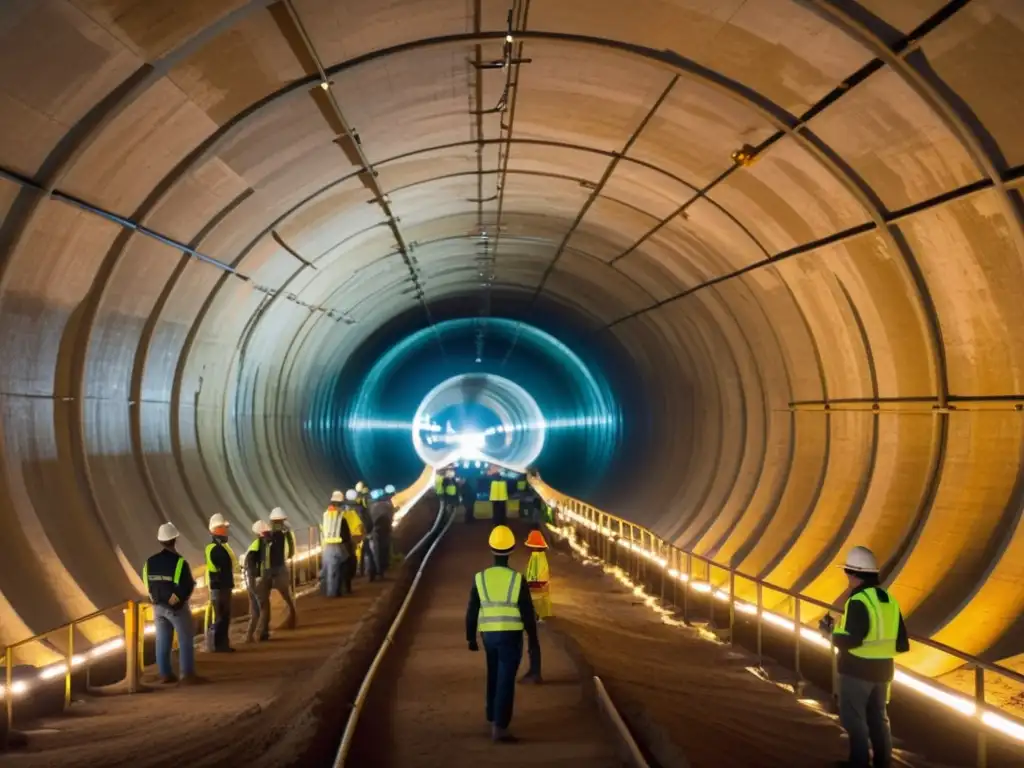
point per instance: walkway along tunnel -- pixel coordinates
(758, 264)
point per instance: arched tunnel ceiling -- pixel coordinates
(196, 234)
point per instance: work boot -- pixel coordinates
(502, 736)
(193, 679)
(531, 678)
(167, 679)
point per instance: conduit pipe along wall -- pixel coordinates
(801, 218)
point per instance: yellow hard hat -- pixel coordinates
(502, 540)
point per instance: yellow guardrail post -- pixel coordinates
(70, 661)
(8, 693)
(131, 646)
(979, 696)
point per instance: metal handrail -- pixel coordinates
(636, 757)
(614, 528)
(349, 733)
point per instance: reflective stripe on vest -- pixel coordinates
(331, 527)
(499, 490)
(210, 567)
(883, 626)
(499, 588)
(177, 573)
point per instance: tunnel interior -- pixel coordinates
(783, 238)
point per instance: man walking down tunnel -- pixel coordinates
(498, 497)
(501, 609)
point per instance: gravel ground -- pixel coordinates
(427, 705)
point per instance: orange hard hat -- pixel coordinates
(536, 540)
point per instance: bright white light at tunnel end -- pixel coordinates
(523, 426)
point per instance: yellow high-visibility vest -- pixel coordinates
(355, 523)
(210, 567)
(883, 625)
(330, 528)
(499, 589)
(499, 490)
(537, 570)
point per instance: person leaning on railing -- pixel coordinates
(168, 578)
(871, 633)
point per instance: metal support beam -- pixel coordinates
(1014, 177)
(608, 171)
(370, 174)
(513, 59)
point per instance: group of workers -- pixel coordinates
(356, 537)
(356, 529)
(501, 486)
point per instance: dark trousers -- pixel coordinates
(504, 651)
(219, 620)
(498, 510)
(862, 715)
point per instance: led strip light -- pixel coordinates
(946, 697)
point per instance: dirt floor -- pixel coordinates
(261, 706)
(427, 705)
(680, 688)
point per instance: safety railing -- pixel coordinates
(645, 562)
(131, 622)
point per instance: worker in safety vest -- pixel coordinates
(501, 609)
(168, 578)
(537, 577)
(367, 565)
(282, 547)
(870, 635)
(382, 513)
(499, 498)
(256, 569)
(451, 491)
(336, 543)
(220, 578)
(350, 511)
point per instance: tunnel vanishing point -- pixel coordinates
(798, 222)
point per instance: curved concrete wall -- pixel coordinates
(830, 335)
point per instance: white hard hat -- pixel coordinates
(351, 494)
(337, 496)
(861, 560)
(360, 487)
(167, 532)
(260, 527)
(389, 489)
(277, 514)
(218, 521)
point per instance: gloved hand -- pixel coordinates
(473, 646)
(826, 625)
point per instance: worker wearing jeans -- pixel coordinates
(168, 621)
(169, 581)
(501, 608)
(870, 635)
